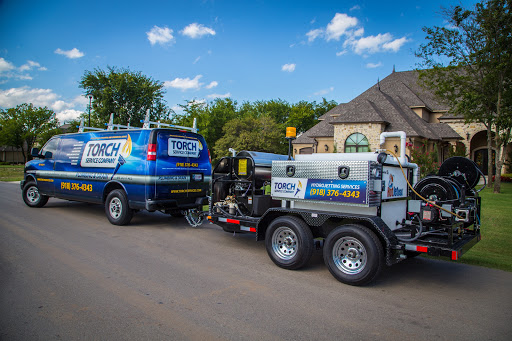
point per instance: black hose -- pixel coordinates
(418, 235)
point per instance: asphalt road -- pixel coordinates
(67, 273)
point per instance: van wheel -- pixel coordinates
(32, 197)
(353, 254)
(289, 242)
(117, 209)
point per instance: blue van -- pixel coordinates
(165, 169)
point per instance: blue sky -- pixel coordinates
(245, 50)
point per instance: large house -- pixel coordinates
(396, 103)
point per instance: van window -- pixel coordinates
(50, 146)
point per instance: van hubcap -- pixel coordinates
(33, 194)
(115, 208)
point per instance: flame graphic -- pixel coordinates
(299, 187)
(127, 148)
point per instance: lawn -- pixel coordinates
(495, 248)
(11, 173)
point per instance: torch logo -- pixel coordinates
(126, 150)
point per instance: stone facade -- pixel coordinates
(370, 130)
(464, 129)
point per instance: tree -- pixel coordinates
(251, 133)
(304, 115)
(22, 126)
(213, 119)
(125, 93)
(469, 66)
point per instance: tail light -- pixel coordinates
(209, 156)
(151, 152)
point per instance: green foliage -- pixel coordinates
(213, 120)
(250, 133)
(428, 161)
(125, 93)
(22, 126)
(459, 150)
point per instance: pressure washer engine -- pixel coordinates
(364, 209)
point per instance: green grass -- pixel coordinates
(495, 248)
(11, 173)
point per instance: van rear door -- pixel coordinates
(183, 167)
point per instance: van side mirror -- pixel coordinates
(34, 152)
(48, 155)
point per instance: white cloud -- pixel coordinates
(71, 54)
(213, 96)
(313, 34)
(324, 91)
(373, 65)
(5, 65)
(395, 45)
(212, 85)
(347, 27)
(370, 44)
(288, 67)
(184, 83)
(31, 65)
(9, 71)
(339, 26)
(68, 115)
(10, 98)
(341, 53)
(354, 8)
(160, 35)
(196, 30)
(39, 97)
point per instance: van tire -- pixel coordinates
(289, 242)
(32, 197)
(117, 209)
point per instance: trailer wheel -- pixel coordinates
(353, 254)
(289, 242)
(117, 209)
(32, 197)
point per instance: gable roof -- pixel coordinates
(390, 102)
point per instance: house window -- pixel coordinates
(356, 143)
(306, 150)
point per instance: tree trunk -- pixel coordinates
(499, 164)
(489, 158)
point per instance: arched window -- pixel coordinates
(356, 143)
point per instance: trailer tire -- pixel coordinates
(32, 197)
(117, 208)
(289, 242)
(353, 254)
